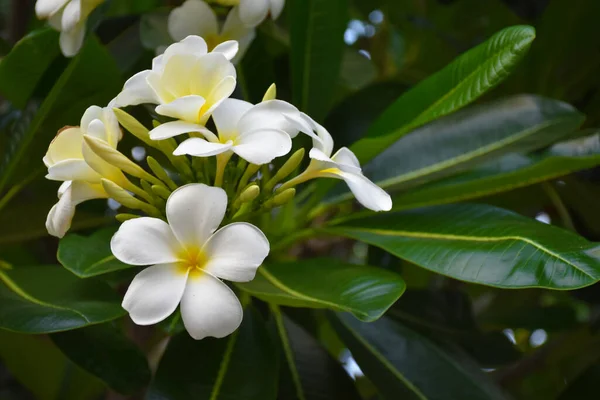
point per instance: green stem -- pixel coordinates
(560, 206)
(222, 160)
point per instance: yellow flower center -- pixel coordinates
(193, 261)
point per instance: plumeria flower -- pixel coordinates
(189, 257)
(195, 17)
(256, 133)
(69, 18)
(253, 12)
(70, 160)
(342, 165)
(186, 82)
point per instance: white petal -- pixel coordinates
(185, 108)
(199, 147)
(270, 114)
(346, 157)
(65, 146)
(276, 8)
(193, 45)
(366, 192)
(301, 124)
(174, 128)
(244, 42)
(328, 163)
(155, 293)
(262, 146)
(229, 48)
(137, 91)
(208, 72)
(253, 12)
(209, 308)
(70, 170)
(195, 211)
(90, 114)
(227, 116)
(145, 241)
(219, 94)
(193, 17)
(71, 15)
(45, 8)
(235, 251)
(71, 41)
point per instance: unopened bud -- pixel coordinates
(161, 191)
(160, 172)
(126, 217)
(133, 126)
(281, 198)
(116, 192)
(271, 93)
(250, 170)
(290, 166)
(249, 194)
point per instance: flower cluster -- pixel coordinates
(189, 89)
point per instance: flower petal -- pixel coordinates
(66, 145)
(195, 211)
(208, 72)
(45, 8)
(244, 42)
(193, 17)
(137, 91)
(192, 44)
(145, 241)
(227, 116)
(219, 94)
(199, 147)
(185, 108)
(262, 146)
(155, 293)
(366, 192)
(229, 48)
(270, 114)
(235, 251)
(70, 170)
(72, 40)
(276, 8)
(346, 157)
(174, 128)
(209, 308)
(71, 15)
(253, 12)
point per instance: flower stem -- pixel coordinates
(222, 160)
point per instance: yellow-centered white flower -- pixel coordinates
(189, 257)
(70, 160)
(257, 133)
(186, 82)
(195, 17)
(341, 165)
(253, 12)
(69, 18)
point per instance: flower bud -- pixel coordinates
(249, 194)
(160, 173)
(125, 217)
(161, 191)
(271, 93)
(290, 165)
(281, 198)
(133, 126)
(122, 196)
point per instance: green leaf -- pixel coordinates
(482, 244)
(308, 371)
(242, 366)
(256, 70)
(90, 78)
(364, 291)
(507, 173)
(404, 364)
(317, 43)
(104, 352)
(45, 299)
(23, 67)
(471, 136)
(458, 84)
(87, 256)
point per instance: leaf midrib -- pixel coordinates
(289, 355)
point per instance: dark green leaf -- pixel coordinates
(364, 291)
(308, 371)
(23, 67)
(317, 42)
(256, 71)
(458, 84)
(482, 244)
(104, 352)
(404, 364)
(45, 299)
(471, 136)
(242, 366)
(87, 256)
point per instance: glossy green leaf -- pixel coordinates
(87, 256)
(317, 42)
(482, 244)
(243, 366)
(458, 84)
(361, 290)
(107, 354)
(404, 364)
(23, 67)
(471, 136)
(307, 370)
(507, 173)
(45, 299)
(90, 78)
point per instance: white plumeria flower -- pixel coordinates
(69, 18)
(186, 82)
(342, 165)
(257, 133)
(253, 12)
(69, 159)
(195, 17)
(189, 257)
